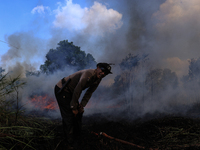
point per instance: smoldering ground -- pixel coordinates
(165, 30)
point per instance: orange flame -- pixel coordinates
(44, 102)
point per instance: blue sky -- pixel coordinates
(17, 16)
(30, 28)
(169, 31)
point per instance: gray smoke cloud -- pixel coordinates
(25, 49)
(166, 30)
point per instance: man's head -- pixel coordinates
(103, 69)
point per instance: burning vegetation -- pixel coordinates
(43, 102)
(147, 106)
(144, 108)
(100, 131)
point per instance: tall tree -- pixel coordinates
(129, 82)
(159, 80)
(169, 79)
(194, 70)
(153, 82)
(67, 55)
(191, 81)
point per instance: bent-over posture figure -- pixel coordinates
(68, 91)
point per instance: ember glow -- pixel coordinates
(44, 102)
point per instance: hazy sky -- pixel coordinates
(31, 28)
(167, 30)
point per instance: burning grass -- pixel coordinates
(169, 132)
(43, 102)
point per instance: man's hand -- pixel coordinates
(75, 111)
(80, 108)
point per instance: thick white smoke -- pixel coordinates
(167, 30)
(176, 32)
(95, 21)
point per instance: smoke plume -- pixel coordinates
(166, 30)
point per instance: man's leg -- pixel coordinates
(63, 100)
(77, 130)
(78, 124)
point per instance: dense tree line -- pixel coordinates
(138, 80)
(66, 55)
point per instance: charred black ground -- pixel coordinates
(161, 132)
(168, 132)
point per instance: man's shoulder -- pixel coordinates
(88, 72)
(85, 71)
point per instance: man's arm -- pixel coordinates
(78, 90)
(88, 94)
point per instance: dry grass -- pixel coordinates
(167, 132)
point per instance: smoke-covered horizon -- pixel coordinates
(168, 31)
